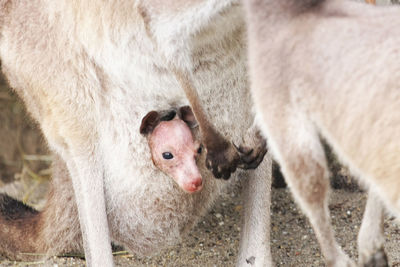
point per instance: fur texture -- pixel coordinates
(329, 69)
(88, 72)
(28, 231)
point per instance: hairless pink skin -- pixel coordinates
(174, 151)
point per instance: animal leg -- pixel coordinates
(298, 150)
(254, 247)
(87, 180)
(370, 238)
(253, 150)
(222, 156)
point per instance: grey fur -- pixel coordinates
(330, 70)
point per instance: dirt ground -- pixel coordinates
(214, 242)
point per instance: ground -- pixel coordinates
(214, 242)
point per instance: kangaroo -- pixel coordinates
(329, 69)
(53, 230)
(88, 71)
(172, 147)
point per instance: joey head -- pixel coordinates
(173, 148)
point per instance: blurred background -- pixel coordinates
(24, 159)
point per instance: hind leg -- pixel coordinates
(254, 249)
(370, 238)
(297, 148)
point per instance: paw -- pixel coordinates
(252, 154)
(339, 259)
(222, 159)
(378, 259)
(250, 158)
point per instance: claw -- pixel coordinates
(219, 169)
(237, 148)
(227, 176)
(245, 150)
(233, 168)
(216, 173)
(208, 164)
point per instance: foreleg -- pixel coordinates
(222, 156)
(87, 179)
(370, 238)
(254, 249)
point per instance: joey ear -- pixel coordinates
(186, 114)
(149, 122)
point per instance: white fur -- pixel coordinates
(89, 71)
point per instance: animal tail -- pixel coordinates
(28, 234)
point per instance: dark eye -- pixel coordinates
(199, 150)
(167, 155)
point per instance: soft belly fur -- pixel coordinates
(88, 72)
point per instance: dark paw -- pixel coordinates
(250, 158)
(222, 160)
(379, 259)
(251, 260)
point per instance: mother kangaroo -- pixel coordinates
(88, 71)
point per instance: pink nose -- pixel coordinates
(194, 185)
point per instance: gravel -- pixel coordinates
(215, 240)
